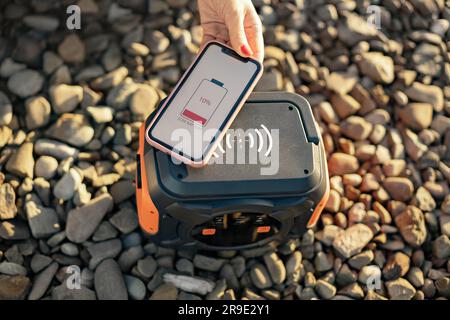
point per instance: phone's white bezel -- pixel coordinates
(219, 138)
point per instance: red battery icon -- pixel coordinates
(204, 101)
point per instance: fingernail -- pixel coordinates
(246, 50)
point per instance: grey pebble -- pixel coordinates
(56, 239)
(43, 221)
(189, 284)
(12, 269)
(165, 262)
(82, 221)
(136, 288)
(147, 266)
(260, 277)
(208, 263)
(165, 291)
(69, 249)
(323, 262)
(218, 290)
(130, 257)
(276, 267)
(104, 250)
(39, 262)
(227, 272)
(131, 240)
(42, 281)
(125, 220)
(62, 292)
(109, 282)
(105, 231)
(185, 266)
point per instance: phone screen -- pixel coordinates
(203, 102)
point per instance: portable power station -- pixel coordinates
(267, 182)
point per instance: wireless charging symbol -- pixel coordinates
(253, 135)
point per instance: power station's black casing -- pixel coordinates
(192, 199)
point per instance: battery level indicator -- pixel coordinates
(204, 101)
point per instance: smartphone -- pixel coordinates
(197, 113)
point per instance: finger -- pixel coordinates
(205, 40)
(238, 39)
(215, 29)
(254, 34)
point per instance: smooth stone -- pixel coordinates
(325, 290)
(39, 262)
(12, 269)
(38, 112)
(377, 67)
(8, 209)
(352, 240)
(369, 275)
(41, 22)
(66, 186)
(276, 267)
(51, 62)
(130, 257)
(104, 231)
(21, 163)
(143, 101)
(65, 98)
(136, 288)
(189, 284)
(43, 221)
(82, 221)
(9, 67)
(344, 105)
(25, 83)
(417, 116)
(110, 80)
(55, 149)
(108, 281)
(73, 129)
(6, 110)
(104, 250)
(411, 223)
(125, 220)
(72, 49)
(165, 291)
(341, 163)
(356, 128)
(354, 29)
(208, 263)
(399, 188)
(122, 190)
(70, 249)
(14, 287)
(62, 292)
(45, 167)
(42, 281)
(400, 289)
(260, 277)
(147, 266)
(119, 96)
(101, 114)
(426, 93)
(5, 135)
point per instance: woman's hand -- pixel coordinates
(235, 23)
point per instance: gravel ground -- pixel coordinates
(71, 104)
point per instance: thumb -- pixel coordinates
(236, 32)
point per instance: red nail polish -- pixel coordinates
(246, 50)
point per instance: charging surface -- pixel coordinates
(292, 165)
(289, 156)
